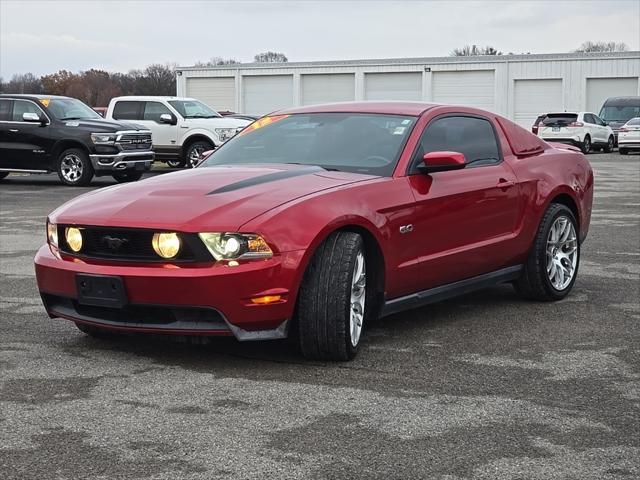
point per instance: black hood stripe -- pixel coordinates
(269, 177)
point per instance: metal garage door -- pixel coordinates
(327, 88)
(472, 88)
(266, 93)
(218, 93)
(393, 86)
(599, 89)
(534, 97)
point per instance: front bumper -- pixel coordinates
(213, 299)
(629, 144)
(122, 162)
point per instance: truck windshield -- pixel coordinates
(193, 109)
(70, 109)
(620, 113)
(350, 142)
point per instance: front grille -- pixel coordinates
(130, 244)
(135, 141)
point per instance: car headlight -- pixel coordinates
(225, 134)
(103, 138)
(167, 245)
(52, 234)
(73, 236)
(229, 246)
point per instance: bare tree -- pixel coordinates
(156, 80)
(215, 61)
(590, 46)
(270, 57)
(472, 50)
(23, 83)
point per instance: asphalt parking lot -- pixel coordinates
(486, 386)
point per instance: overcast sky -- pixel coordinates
(46, 36)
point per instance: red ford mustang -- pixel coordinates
(315, 220)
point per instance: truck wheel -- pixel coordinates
(176, 163)
(335, 299)
(3, 175)
(586, 144)
(194, 152)
(74, 168)
(609, 147)
(127, 177)
(552, 266)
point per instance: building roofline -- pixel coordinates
(425, 61)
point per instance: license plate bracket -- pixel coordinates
(555, 129)
(101, 291)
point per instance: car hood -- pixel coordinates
(104, 126)
(615, 125)
(220, 198)
(217, 122)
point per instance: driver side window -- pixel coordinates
(472, 136)
(153, 110)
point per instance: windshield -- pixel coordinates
(619, 114)
(70, 109)
(193, 109)
(351, 142)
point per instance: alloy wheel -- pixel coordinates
(358, 296)
(71, 167)
(562, 253)
(195, 154)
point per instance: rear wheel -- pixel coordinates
(194, 152)
(74, 168)
(552, 266)
(586, 144)
(335, 299)
(609, 147)
(176, 163)
(127, 177)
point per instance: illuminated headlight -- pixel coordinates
(52, 234)
(73, 236)
(230, 246)
(103, 138)
(225, 134)
(167, 245)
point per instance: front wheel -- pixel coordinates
(127, 177)
(194, 152)
(176, 163)
(335, 299)
(552, 266)
(586, 145)
(74, 168)
(609, 147)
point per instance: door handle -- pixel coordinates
(13, 130)
(502, 183)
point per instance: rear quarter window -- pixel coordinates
(5, 110)
(127, 110)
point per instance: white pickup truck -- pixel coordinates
(182, 128)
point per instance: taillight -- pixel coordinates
(534, 129)
(576, 124)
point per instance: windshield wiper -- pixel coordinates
(71, 118)
(328, 169)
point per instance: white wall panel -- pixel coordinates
(266, 93)
(393, 86)
(535, 97)
(468, 87)
(327, 88)
(599, 89)
(217, 92)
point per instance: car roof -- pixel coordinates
(28, 95)
(151, 97)
(622, 101)
(391, 108)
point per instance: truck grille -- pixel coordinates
(130, 244)
(135, 141)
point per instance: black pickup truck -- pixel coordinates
(46, 133)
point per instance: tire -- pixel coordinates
(623, 151)
(535, 282)
(326, 328)
(194, 150)
(609, 147)
(3, 175)
(586, 145)
(74, 168)
(94, 332)
(127, 177)
(176, 163)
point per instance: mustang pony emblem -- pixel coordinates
(113, 243)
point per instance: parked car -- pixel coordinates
(102, 111)
(46, 133)
(581, 129)
(182, 128)
(629, 136)
(316, 220)
(536, 124)
(616, 111)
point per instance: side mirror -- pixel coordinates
(443, 161)
(169, 119)
(31, 117)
